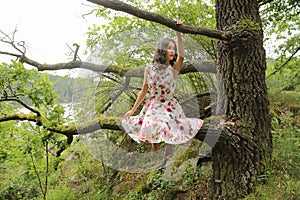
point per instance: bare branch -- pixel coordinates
(7, 39)
(76, 52)
(10, 54)
(120, 6)
(75, 56)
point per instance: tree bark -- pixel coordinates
(242, 99)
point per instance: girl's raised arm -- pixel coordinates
(180, 49)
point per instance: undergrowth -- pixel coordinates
(282, 177)
(81, 176)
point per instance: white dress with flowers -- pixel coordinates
(161, 118)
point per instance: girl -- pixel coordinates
(162, 118)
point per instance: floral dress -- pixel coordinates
(161, 118)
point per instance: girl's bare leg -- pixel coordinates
(155, 146)
(169, 150)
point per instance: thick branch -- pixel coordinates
(204, 66)
(110, 123)
(120, 6)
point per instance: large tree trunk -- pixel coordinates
(239, 159)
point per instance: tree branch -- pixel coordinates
(10, 54)
(109, 123)
(261, 3)
(285, 63)
(23, 104)
(120, 6)
(188, 67)
(7, 39)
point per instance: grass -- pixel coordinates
(283, 175)
(81, 176)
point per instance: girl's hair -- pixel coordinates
(161, 50)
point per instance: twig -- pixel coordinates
(47, 168)
(36, 172)
(261, 3)
(23, 104)
(11, 41)
(285, 63)
(75, 52)
(113, 99)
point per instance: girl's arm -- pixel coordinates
(140, 98)
(180, 49)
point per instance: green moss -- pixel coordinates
(121, 69)
(247, 24)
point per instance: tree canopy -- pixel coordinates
(119, 49)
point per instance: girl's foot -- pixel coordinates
(154, 146)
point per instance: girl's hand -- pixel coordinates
(179, 22)
(128, 114)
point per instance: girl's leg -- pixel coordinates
(155, 146)
(169, 150)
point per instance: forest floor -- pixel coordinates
(89, 179)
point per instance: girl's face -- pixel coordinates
(170, 51)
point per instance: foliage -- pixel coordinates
(25, 148)
(282, 36)
(109, 41)
(281, 181)
(63, 87)
(285, 79)
(29, 170)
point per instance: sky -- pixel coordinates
(47, 26)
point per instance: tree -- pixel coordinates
(239, 158)
(238, 163)
(244, 147)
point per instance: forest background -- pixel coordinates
(40, 164)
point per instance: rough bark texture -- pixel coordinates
(243, 100)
